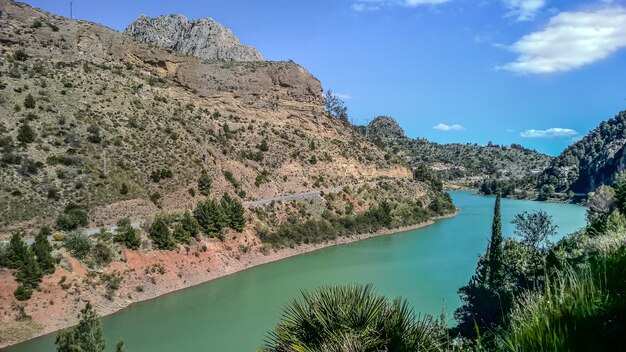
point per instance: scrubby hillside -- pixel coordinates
(91, 116)
(455, 162)
(590, 162)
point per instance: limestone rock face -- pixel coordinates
(204, 38)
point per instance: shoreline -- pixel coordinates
(225, 267)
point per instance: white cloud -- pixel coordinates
(444, 127)
(373, 5)
(524, 10)
(360, 7)
(550, 133)
(342, 96)
(510, 130)
(571, 40)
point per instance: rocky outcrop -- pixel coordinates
(203, 38)
(384, 127)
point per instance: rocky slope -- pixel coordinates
(203, 38)
(590, 162)
(107, 116)
(455, 162)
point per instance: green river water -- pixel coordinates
(233, 313)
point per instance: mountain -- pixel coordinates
(94, 117)
(455, 162)
(203, 38)
(592, 161)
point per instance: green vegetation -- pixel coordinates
(73, 217)
(77, 244)
(213, 216)
(29, 102)
(87, 336)
(25, 134)
(161, 235)
(204, 183)
(354, 318)
(382, 216)
(43, 251)
(127, 235)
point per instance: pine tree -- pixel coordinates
(225, 203)
(190, 224)
(16, 251)
(87, 336)
(180, 234)
(210, 216)
(160, 233)
(204, 183)
(43, 251)
(29, 274)
(237, 218)
(495, 255)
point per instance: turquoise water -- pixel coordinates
(426, 266)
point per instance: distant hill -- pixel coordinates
(590, 162)
(204, 38)
(455, 162)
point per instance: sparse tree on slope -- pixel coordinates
(43, 251)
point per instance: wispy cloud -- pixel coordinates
(373, 5)
(550, 133)
(524, 10)
(571, 40)
(444, 127)
(342, 96)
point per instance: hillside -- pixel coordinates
(93, 117)
(455, 162)
(592, 161)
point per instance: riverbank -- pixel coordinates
(145, 276)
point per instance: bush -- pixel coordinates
(127, 235)
(29, 102)
(20, 55)
(25, 134)
(102, 254)
(73, 217)
(22, 293)
(78, 245)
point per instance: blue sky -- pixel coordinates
(540, 73)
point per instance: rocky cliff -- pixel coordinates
(203, 38)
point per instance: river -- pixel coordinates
(426, 266)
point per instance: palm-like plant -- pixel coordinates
(353, 318)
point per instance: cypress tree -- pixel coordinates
(495, 254)
(43, 251)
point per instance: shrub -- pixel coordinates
(124, 189)
(102, 254)
(25, 134)
(190, 224)
(127, 235)
(354, 316)
(78, 245)
(73, 217)
(22, 293)
(29, 102)
(20, 55)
